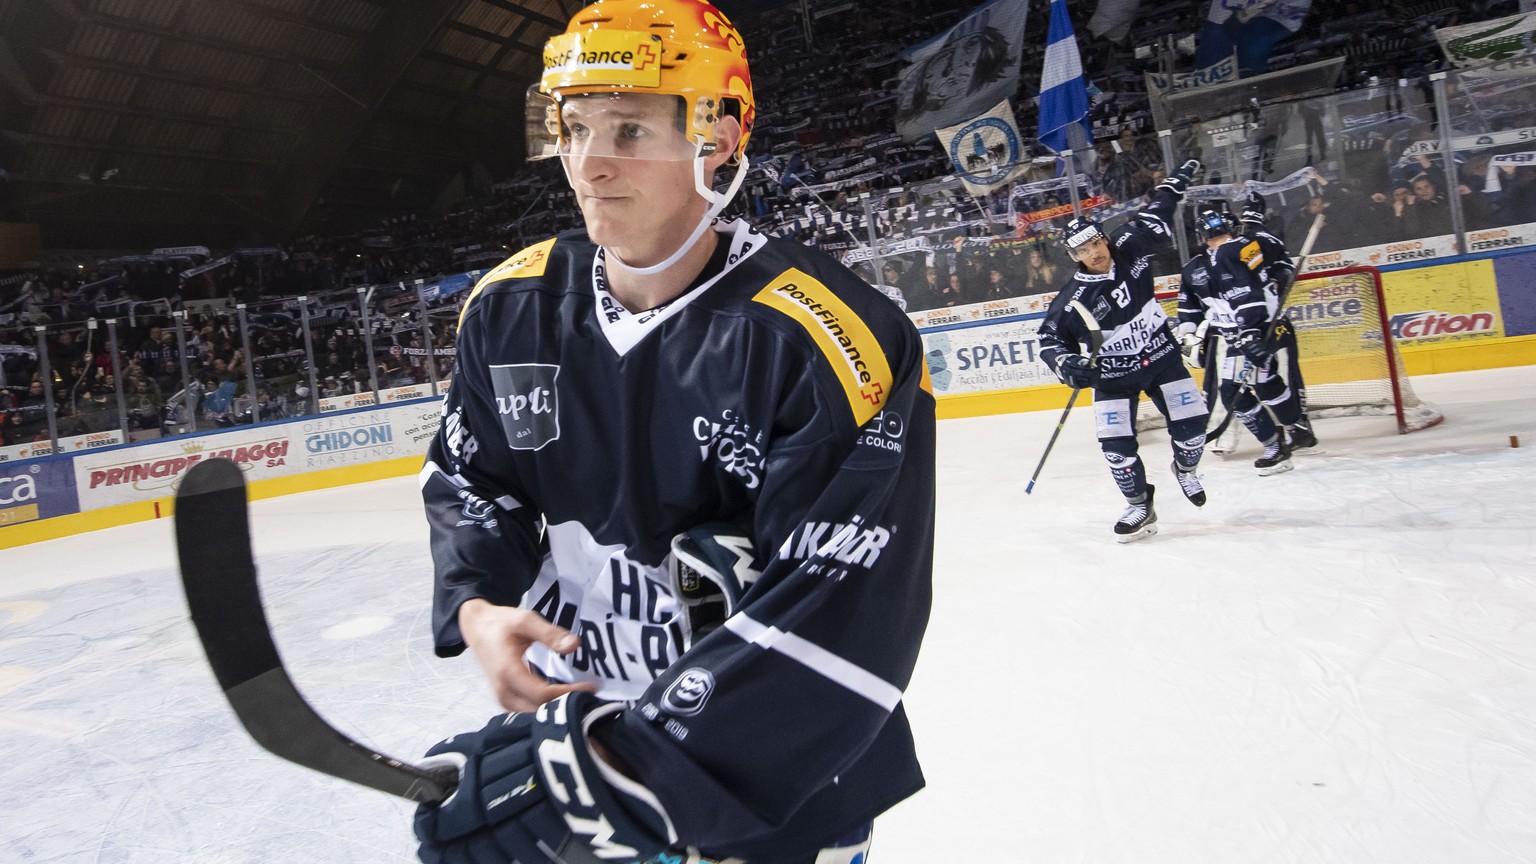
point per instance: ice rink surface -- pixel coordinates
(1337, 664)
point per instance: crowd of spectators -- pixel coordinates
(827, 170)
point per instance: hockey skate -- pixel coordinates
(1139, 519)
(1300, 436)
(1189, 484)
(1276, 458)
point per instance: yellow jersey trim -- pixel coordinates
(527, 263)
(854, 353)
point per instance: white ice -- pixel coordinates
(1332, 665)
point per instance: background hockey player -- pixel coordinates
(1279, 276)
(682, 497)
(1225, 285)
(1113, 288)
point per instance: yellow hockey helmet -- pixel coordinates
(684, 48)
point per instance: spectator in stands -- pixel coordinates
(96, 404)
(1519, 185)
(34, 300)
(1044, 276)
(927, 293)
(1423, 211)
(999, 287)
(1478, 201)
(954, 293)
(1350, 220)
(142, 400)
(218, 398)
(12, 432)
(168, 375)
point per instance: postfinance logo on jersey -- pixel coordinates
(855, 354)
(527, 263)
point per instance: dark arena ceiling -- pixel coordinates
(135, 123)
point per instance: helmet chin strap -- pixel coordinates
(717, 202)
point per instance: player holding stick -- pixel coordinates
(1139, 353)
(682, 496)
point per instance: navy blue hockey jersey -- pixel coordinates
(784, 395)
(1228, 286)
(1123, 302)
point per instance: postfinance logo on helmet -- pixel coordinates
(684, 48)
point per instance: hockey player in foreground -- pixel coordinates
(1227, 284)
(1112, 292)
(682, 497)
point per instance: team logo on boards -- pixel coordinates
(528, 403)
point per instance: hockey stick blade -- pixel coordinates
(218, 572)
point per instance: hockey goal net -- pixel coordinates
(1349, 360)
(1350, 364)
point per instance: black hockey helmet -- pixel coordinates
(1079, 232)
(1212, 221)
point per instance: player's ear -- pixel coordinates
(727, 136)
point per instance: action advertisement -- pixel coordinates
(1437, 305)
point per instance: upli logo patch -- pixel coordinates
(528, 403)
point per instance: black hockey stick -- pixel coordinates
(1269, 332)
(213, 541)
(1096, 341)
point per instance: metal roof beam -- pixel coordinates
(353, 100)
(119, 149)
(527, 13)
(182, 117)
(64, 58)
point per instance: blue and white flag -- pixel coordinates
(1251, 27)
(1063, 89)
(988, 151)
(960, 73)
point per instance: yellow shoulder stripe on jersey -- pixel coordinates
(529, 262)
(853, 351)
(1252, 255)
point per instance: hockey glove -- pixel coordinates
(712, 567)
(1179, 180)
(1192, 346)
(1253, 209)
(531, 791)
(1251, 345)
(1076, 371)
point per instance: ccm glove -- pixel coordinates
(532, 792)
(1193, 349)
(1076, 371)
(1192, 343)
(1251, 345)
(1253, 209)
(1179, 180)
